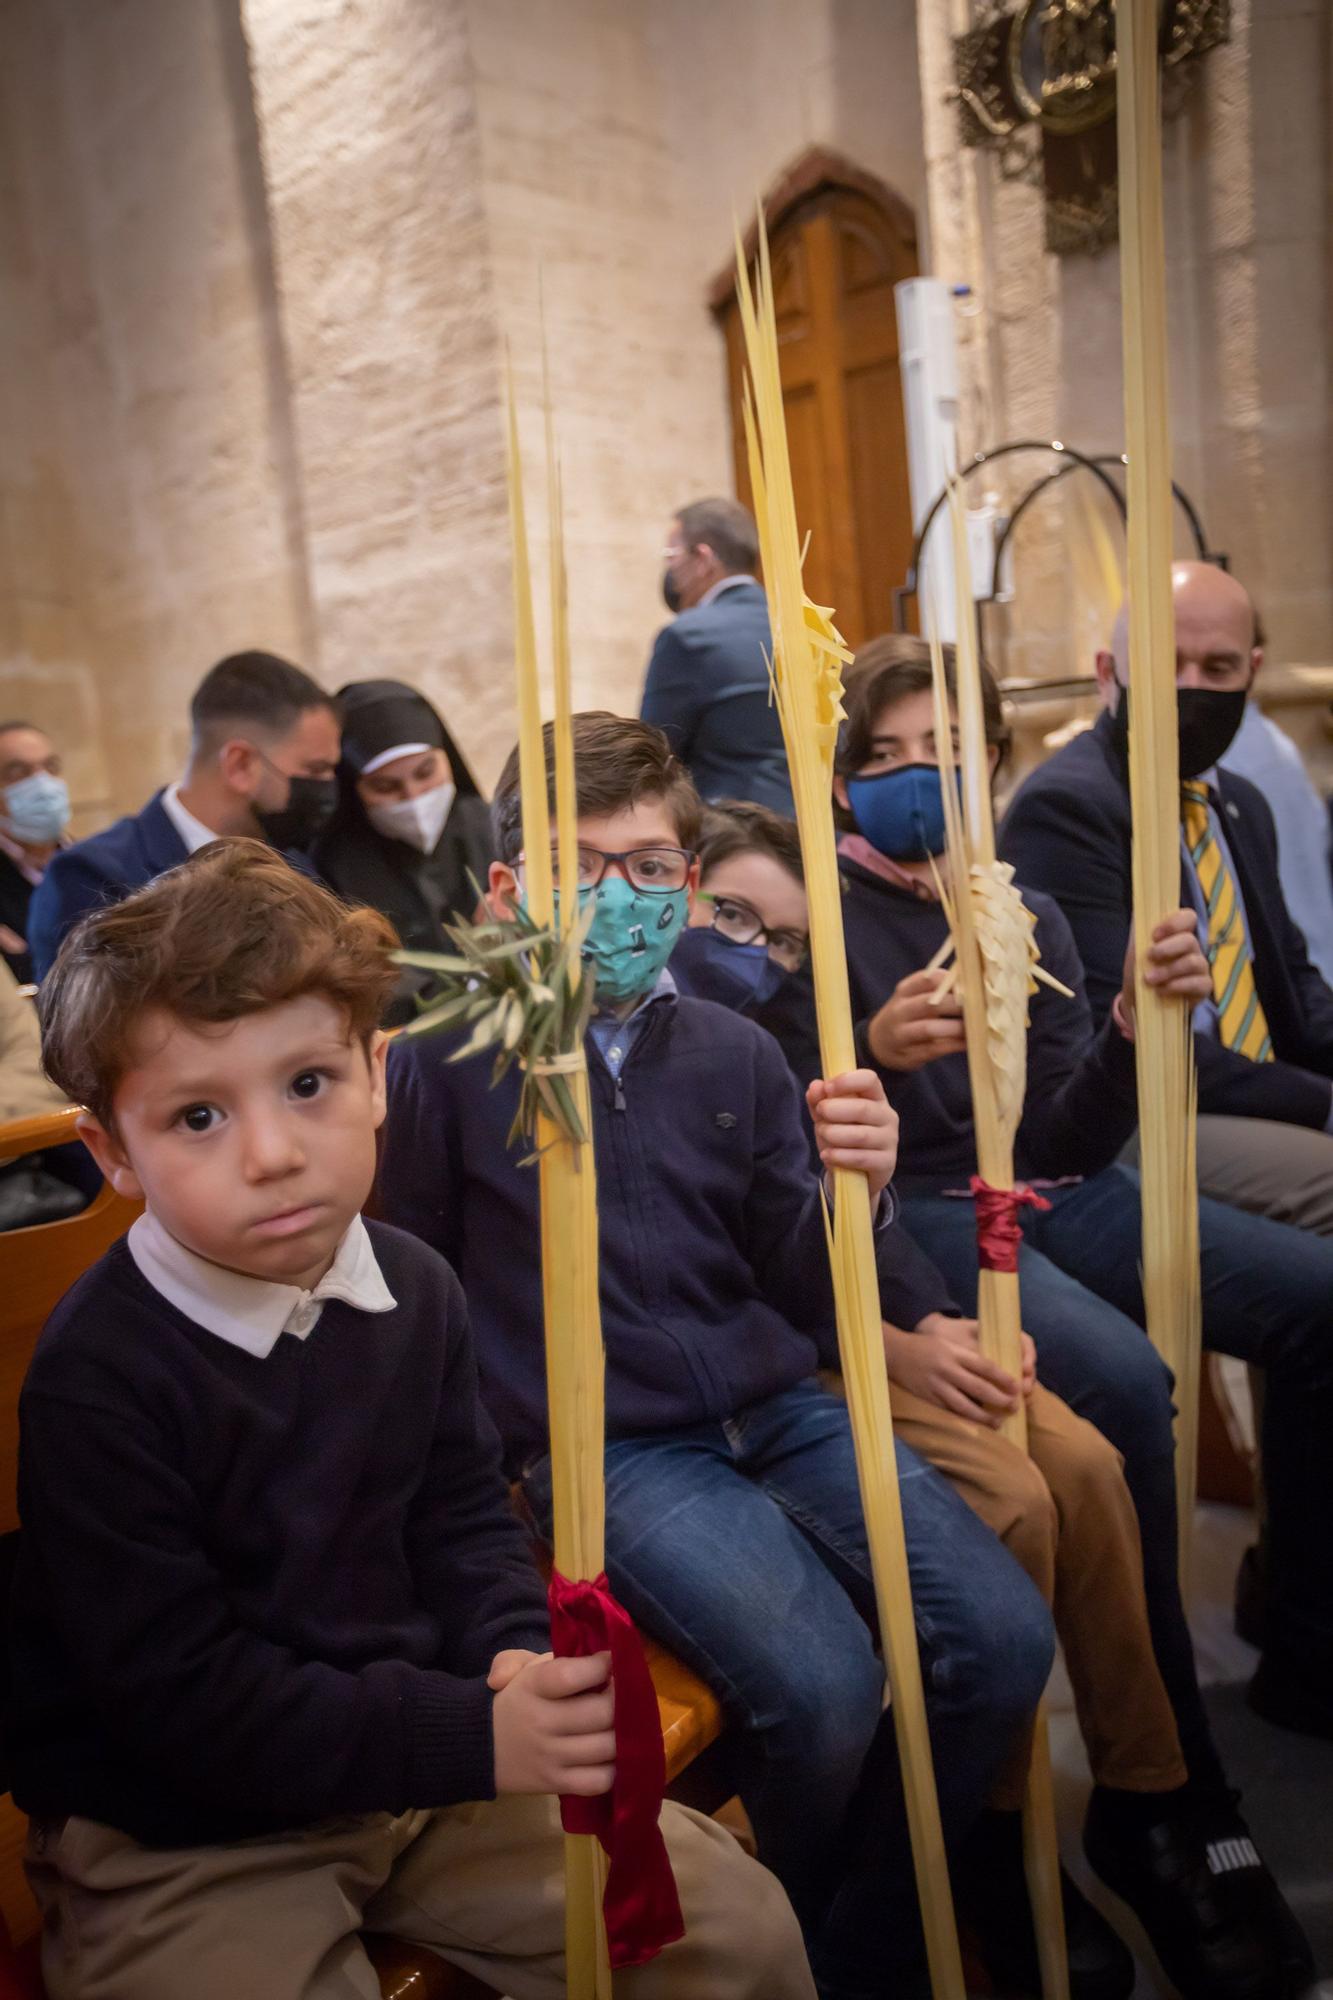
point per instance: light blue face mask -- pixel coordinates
(631, 937)
(36, 809)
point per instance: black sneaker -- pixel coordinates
(1213, 1913)
(1253, 1893)
(993, 1901)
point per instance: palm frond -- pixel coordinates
(522, 991)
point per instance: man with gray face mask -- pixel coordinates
(707, 685)
(1264, 1042)
(34, 813)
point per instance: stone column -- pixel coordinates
(368, 132)
(150, 514)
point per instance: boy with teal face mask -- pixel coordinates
(733, 1518)
(639, 915)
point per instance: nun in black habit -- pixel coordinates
(411, 832)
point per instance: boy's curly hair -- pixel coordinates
(233, 930)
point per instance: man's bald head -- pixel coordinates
(1216, 634)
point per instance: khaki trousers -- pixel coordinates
(483, 1885)
(1282, 1171)
(1064, 1511)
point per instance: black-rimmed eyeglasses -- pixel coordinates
(654, 871)
(739, 924)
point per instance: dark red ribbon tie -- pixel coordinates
(999, 1231)
(641, 1907)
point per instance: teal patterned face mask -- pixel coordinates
(631, 937)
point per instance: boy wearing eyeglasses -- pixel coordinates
(734, 1531)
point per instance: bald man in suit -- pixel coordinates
(1264, 1043)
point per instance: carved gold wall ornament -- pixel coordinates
(1036, 86)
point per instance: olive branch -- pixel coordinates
(523, 992)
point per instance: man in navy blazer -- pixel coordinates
(707, 684)
(1266, 1133)
(263, 754)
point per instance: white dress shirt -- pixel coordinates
(252, 1313)
(191, 830)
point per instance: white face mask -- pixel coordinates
(419, 821)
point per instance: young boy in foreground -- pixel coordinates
(280, 1650)
(734, 1530)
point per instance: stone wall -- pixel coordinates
(148, 490)
(618, 142)
(262, 257)
(369, 141)
(252, 381)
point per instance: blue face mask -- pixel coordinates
(901, 812)
(740, 976)
(37, 808)
(631, 937)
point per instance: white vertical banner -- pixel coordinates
(928, 364)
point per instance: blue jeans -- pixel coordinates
(740, 1546)
(1268, 1298)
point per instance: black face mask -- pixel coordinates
(1207, 720)
(670, 592)
(310, 804)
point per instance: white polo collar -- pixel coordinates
(251, 1313)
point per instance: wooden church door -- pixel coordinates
(838, 252)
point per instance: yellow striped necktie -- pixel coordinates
(1240, 1018)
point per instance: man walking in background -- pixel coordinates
(707, 684)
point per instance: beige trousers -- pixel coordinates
(278, 1919)
(1283, 1171)
(1064, 1511)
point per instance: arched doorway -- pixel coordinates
(840, 242)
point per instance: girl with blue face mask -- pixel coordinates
(895, 796)
(889, 801)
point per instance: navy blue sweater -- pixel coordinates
(253, 1594)
(715, 1283)
(1080, 1105)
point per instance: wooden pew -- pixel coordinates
(37, 1266)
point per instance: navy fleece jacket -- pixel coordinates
(1080, 1106)
(715, 1284)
